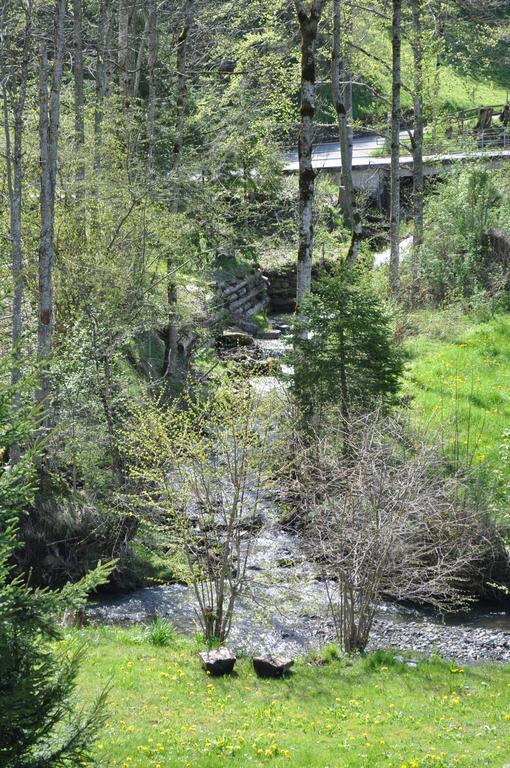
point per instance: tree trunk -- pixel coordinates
(140, 58)
(79, 98)
(395, 150)
(417, 143)
(308, 24)
(126, 63)
(171, 351)
(341, 85)
(49, 115)
(102, 70)
(152, 54)
(14, 165)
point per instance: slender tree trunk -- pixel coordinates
(49, 115)
(308, 18)
(344, 394)
(395, 150)
(171, 350)
(14, 164)
(418, 177)
(16, 219)
(102, 70)
(127, 9)
(341, 85)
(79, 97)
(140, 58)
(16, 97)
(152, 54)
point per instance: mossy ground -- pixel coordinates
(368, 712)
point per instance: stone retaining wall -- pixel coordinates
(282, 283)
(244, 298)
(282, 289)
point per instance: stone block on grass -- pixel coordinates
(271, 666)
(218, 662)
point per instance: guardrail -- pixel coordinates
(469, 130)
(469, 142)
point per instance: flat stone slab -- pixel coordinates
(269, 335)
(218, 662)
(271, 666)
(235, 337)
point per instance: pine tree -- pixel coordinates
(40, 726)
(344, 353)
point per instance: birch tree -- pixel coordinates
(171, 351)
(79, 96)
(395, 148)
(125, 56)
(417, 138)
(152, 55)
(14, 92)
(102, 72)
(341, 86)
(50, 82)
(309, 17)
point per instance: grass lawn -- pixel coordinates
(458, 91)
(459, 377)
(165, 711)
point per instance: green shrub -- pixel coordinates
(160, 633)
(454, 262)
(39, 722)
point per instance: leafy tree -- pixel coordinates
(343, 349)
(40, 726)
(453, 263)
(198, 470)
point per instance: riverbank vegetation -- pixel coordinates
(457, 379)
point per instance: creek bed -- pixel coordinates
(285, 610)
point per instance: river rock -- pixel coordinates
(218, 662)
(271, 666)
(235, 337)
(269, 335)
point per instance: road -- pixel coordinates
(328, 155)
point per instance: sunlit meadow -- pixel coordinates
(164, 711)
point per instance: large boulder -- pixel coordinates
(271, 666)
(235, 337)
(218, 662)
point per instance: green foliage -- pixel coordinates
(196, 469)
(344, 352)
(454, 261)
(160, 633)
(39, 724)
(458, 378)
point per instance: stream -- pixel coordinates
(284, 608)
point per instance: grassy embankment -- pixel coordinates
(165, 711)
(459, 379)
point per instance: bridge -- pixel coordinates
(455, 138)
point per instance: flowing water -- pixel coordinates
(284, 607)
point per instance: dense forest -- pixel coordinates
(254, 383)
